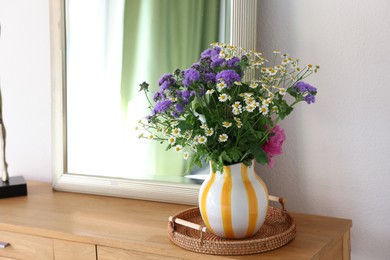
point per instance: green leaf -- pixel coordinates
(259, 154)
(225, 157)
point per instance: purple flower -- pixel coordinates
(158, 96)
(179, 108)
(233, 62)
(216, 61)
(175, 114)
(210, 52)
(209, 77)
(303, 87)
(309, 98)
(167, 78)
(162, 106)
(165, 85)
(190, 76)
(229, 76)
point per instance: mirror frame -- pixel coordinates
(243, 33)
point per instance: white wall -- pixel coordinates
(336, 158)
(25, 84)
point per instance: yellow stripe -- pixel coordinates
(204, 197)
(252, 201)
(226, 202)
(264, 187)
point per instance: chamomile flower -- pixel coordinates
(178, 148)
(174, 123)
(221, 85)
(176, 131)
(223, 97)
(173, 99)
(238, 121)
(266, 102)
(172, 140)
(237, 108)
(264, 110)
(282, 91)
(186, 155)
(209, 131)
(202, 139)
(226, 124)
(203, 126)
(250, 108)
(253, 85)
(210, 91)
(223, 138)
(237, 83)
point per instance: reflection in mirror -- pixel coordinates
(120, 45)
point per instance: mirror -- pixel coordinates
(95, 82)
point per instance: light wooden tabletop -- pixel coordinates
(142, 225)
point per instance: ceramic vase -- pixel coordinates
(233, 203)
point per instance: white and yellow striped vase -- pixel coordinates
(233, 204)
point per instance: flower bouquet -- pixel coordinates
(225, 108)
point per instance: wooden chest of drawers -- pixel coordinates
(69, 226)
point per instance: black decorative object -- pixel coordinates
(9, 186)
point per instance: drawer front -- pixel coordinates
(67, 250)
(109, 253)
(23, 246)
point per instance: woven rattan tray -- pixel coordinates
(277, 230)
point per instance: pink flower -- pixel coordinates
(274, 144)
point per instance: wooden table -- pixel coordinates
(60, 225)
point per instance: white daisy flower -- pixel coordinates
(220, 86)
(223, 138)
(264, 110)
(174, 123)
(202, 139)
(186, 155)
(178, 148)
(172, 140)
(210, 91)
(253, 85)
(176, 131)
(196, 139)
(209, 132)
(236, 111)
(282, 91)
(267, 101)
(223, 97)
(173, 99)
(237, 83)
(226, 124)
(203, 126)
(250, 108)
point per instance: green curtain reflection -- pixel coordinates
(159, 37)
